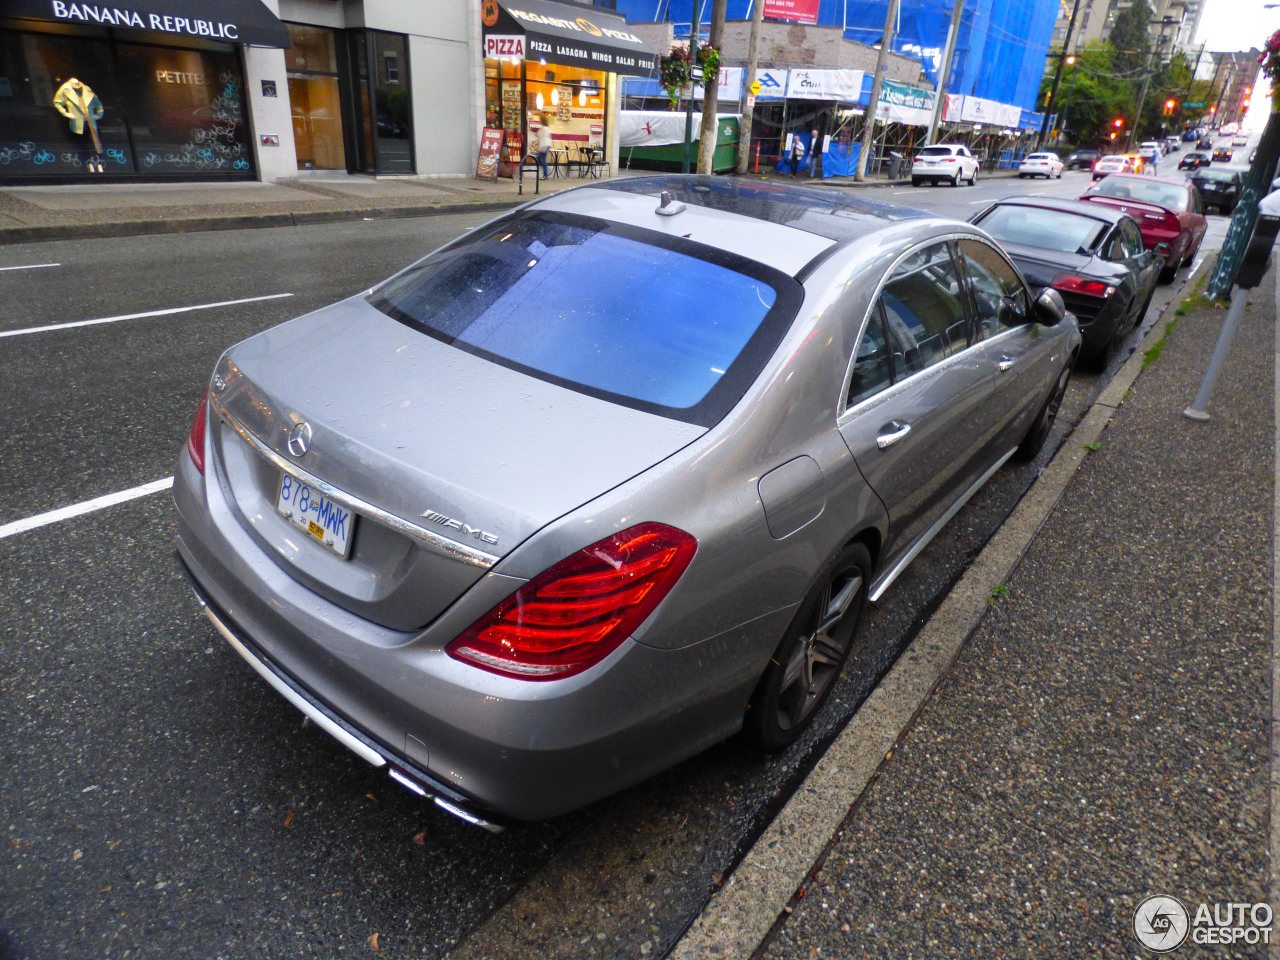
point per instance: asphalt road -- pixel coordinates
(161, 800)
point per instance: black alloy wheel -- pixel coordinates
(1043, 423)
(808, 661)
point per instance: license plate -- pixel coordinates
(328, 523)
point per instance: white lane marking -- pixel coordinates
(896, 192)
(33, 266)
(139, 316)
(88, 506)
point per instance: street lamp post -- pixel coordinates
(1071, 92)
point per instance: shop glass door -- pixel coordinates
(315, 97)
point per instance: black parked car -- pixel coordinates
(1218, 188)
(1082, 158)
(1193, 161)
(1091, 253)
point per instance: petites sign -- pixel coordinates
(268, 88)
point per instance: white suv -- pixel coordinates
(944, 161)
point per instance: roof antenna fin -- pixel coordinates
(668, 207)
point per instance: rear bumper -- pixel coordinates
(498, 748)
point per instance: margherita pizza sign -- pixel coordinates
(498, 47)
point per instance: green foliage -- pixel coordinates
(1130, 41)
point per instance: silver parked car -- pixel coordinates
(608, 479)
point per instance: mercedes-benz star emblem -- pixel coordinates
(300, 438)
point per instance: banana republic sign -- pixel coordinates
(231, 21)
(555, 34)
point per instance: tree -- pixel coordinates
(1130, 42)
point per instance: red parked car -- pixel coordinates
(1166, 211)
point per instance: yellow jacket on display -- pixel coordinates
(78, 103)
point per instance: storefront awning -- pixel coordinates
(576, 36)
(231, 21)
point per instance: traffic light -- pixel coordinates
(1169, 107)
(1118, 122)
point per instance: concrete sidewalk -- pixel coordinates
(1105, 733)
(70, 211)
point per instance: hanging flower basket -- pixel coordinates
(675, 72)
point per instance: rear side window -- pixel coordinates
(635, 317)
(936, 152)
(924, 311)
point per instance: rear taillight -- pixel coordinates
(195, 439)
(578, 612)
(948, 159)
(1073, 284)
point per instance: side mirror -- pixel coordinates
(1162, 250)
(1049, 308)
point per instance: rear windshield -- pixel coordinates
(633, 316)
(1222, 176)
(936, 152)
(1150, 191)
(1047, 229)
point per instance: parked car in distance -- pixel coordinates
(1116, 163)
(1092, 254)
(1221, 153)
(1193, 161)
(1204, 143)
(1046, 164)
(1189, 136)
(950, 162)
(1240, 140)
(1150, 151)
(1171, 145)
(1219, 187)
(1082, 158)
(608, 479)
(1166, 211)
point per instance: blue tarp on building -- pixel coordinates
(1000, 49)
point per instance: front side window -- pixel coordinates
(924, 310)
(998, 291)
(604, 309)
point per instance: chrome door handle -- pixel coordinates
(1006, 363)
(893, 432)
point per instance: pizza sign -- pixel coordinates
(504, 47)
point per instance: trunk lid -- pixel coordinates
(448, 461)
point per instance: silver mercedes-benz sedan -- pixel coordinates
(608, 479)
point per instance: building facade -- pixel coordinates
(1174, 23)
(272, 89)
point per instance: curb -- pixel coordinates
(738, 919)
(137, 228)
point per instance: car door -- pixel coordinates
(1020, 361)
(1127, 248)
(913, 414)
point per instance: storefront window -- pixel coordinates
(521, 96)
(312, 69)
(73, 106)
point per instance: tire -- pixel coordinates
(1038, 433)
(813, 651)
(1169, 272)
(955, 181)
(973, 178)
(915, 181)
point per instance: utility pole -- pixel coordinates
(1057, 77)
(1146, 81)
(940, 98)
(869, 118)
(695, 28)
(748, 81)
(711, 93)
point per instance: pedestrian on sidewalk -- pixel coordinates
(815, 144)
(544, 144)
(796, 154)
